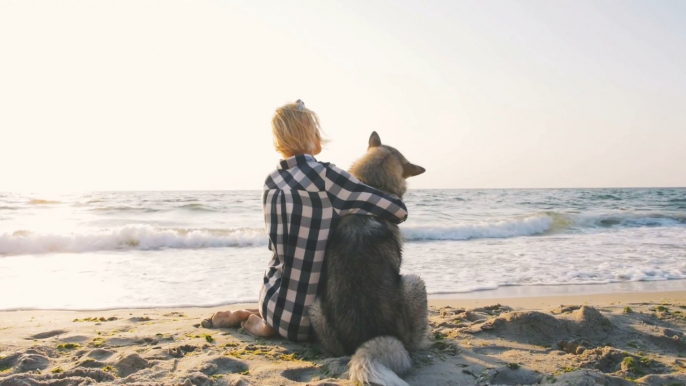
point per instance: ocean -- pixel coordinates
(102, 250)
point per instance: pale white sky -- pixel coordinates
(148, 95)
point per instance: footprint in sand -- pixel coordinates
(74, 339)
(42, 350)
(146, 340)
(47, 334)
(303, 374)
(223, 366)
(179, 351)
(511, 375)
(120, 342)
(140, 319)
(100, 354)
(29, 362)
(665, 342)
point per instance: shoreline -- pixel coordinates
(545, 302)
(538, 302)
(520, 295)
(535, 291)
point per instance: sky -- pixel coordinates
(179, 95)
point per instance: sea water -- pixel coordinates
(102, 250)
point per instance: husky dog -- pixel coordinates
(365, 307)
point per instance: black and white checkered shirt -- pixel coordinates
(302, 200)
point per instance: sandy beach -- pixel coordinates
(585, 339)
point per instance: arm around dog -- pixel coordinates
(349, 195)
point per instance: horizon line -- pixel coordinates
(253, 190)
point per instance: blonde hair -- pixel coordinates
(296, 130)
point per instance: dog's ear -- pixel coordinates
(374, 140)
(411, 170)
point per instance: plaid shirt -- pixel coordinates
(303, 199)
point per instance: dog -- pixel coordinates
(365, 307)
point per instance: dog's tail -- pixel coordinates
(380, 361)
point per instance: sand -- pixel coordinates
(605, 339)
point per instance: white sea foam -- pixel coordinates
(147, 237)
(500, 229)
(141, 237)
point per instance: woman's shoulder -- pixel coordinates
(271, 181)
(327, 166)
(309, 176)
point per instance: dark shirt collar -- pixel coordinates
(290, 162)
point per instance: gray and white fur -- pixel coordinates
(365, 307)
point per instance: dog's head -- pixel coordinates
(384, 167)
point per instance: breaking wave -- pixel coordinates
(502, 229)
(197, 207)
(147, 237)
(538, 224)
(140, 237)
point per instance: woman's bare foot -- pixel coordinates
(256, 326)
(223, 319)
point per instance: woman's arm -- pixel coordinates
(349, 195)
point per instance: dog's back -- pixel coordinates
(362, 293)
